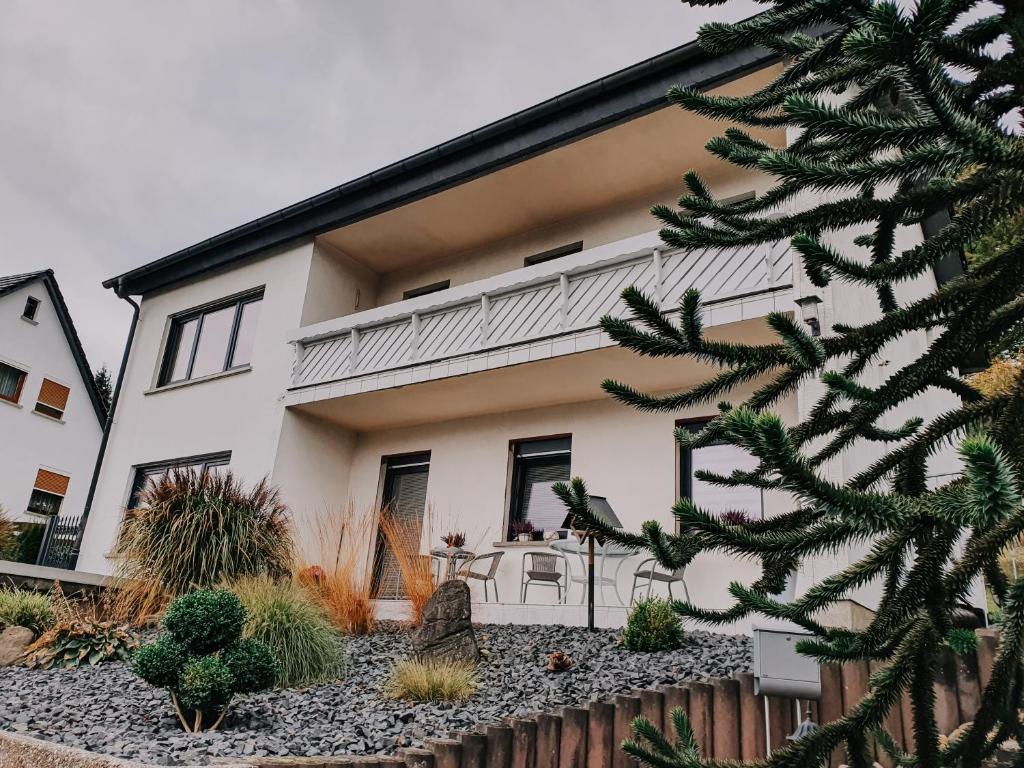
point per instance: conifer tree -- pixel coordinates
(898, 114)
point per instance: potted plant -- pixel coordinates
(537, 535)
(454, 540)
(521, 530)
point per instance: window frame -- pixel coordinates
(142, 472)
(424, 290)
(685, 485)
(553, 253)
(35, 511)
(517, 474)
(33, 303)
(180, 320)
(20, 388)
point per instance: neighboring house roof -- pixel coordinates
(14, 282)
(626, 94)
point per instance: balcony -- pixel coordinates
(544, 311)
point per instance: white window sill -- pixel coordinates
(524, 544)
(200, 380)
(13, 405)
(29, 320)
(48, 418)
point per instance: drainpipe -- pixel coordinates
(115, 395)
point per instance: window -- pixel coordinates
(554, 253)
(48, 492)
(722, 459)
(536, 465)
(53, 399)
(423, 290)
(11, 382)
(211, 462)
(213, 339)
(404, 502)
(31, 305)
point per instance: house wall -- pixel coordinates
(236, 412)
(31, 441)
(627, 456)
(624, 219)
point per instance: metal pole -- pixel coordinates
(590, 582)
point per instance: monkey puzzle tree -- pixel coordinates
(924, 128)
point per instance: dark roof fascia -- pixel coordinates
(64, 315)
(616, 98)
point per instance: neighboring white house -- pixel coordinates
(427, 335)
(51, 417)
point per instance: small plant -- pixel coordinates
(735, 517)
(8, 537)
(559, 661)
(202, 660)
(287, 619)
(429, 680)
(652, 625)
(23, 608)
(71, 644)
(456, 540)
(521, 529)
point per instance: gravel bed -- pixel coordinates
(108, 709)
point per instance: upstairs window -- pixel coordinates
(536, 466)
(48, 492)
(12, 381)
(554, 253)
(53, 399)
(31, 306)
(423, 290)
(210, 340)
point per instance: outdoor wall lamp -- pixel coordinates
(809, 312)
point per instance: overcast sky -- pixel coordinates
(131, 129)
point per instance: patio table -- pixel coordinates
(453, 557)
(603, 552)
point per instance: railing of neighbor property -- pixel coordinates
(57, 549)
(529, 305)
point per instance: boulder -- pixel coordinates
(13, 642)
(447, 629)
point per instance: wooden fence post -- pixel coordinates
(418, 758)
(447, 753)
(572, 747)
(474, 750)
(675, 697)
(752, 717)
(626, 708)
(524, 743)
(725, 696)
(968, 687)
(600, 734)
(652, 707)
(947, 711)
(499, 746)
(780, 721)
(549, 734)
(988, 647)
(702, 716)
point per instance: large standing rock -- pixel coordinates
(447, 629)
(13, 642)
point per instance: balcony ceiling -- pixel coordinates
(554, 381)
(644, 156)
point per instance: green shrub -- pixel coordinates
(73, 643)
(201, 659)
(205, 620)
(197, 529)
(205, 684)
(427, 680)
(284, 616)
(8, 537)
(652, 625)
(23, 608)
(26, 548)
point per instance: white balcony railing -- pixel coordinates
(528, 305)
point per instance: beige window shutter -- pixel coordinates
(52, 482)
(54, 395)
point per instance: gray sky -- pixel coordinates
(131, 129)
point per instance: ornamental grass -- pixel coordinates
(403, 537)
(423, 680)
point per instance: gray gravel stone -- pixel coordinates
(108, 709)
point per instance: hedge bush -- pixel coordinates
(652, 625)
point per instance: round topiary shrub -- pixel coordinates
(202, 660)
(206, 620)
(652, 625)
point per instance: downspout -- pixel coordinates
(115, 396)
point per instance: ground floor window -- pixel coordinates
(536, 466)
(403, 504)
(211, 462)
(48, 492)
(721, 459)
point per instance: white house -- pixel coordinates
(51, 416)
(426, 336)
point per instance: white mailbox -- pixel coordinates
(778, 669)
